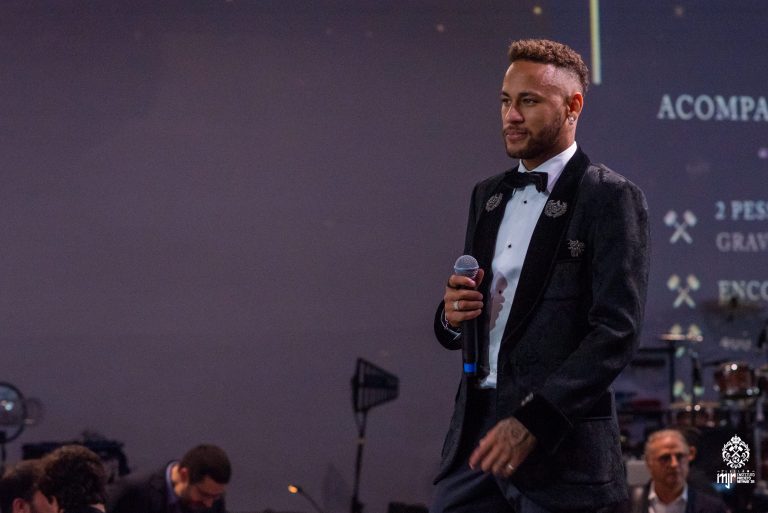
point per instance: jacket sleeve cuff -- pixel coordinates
(544, 421)
(449, 338)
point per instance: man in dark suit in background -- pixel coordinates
(195, 484)
(558, 303)
(668, 456)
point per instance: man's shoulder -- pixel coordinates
(141, 488)
(149, 478)
(601, 175)
(704, 502)
(603, 187)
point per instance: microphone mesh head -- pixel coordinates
(466, 265)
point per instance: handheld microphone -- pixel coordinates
(466, 265)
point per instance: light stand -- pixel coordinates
(371, 386)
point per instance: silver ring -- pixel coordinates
(456, 306)
(510, 467)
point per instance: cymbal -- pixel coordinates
(680, 337)
(701, 405)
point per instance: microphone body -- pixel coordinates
(466, 265)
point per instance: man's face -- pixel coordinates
(201, 495)
(668, 458)
(534, 109)
(41, 504)
(38, 504)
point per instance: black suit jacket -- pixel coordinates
(574, 325)
(698, 501)
(145, 493)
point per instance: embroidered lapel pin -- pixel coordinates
(493, 202)
(555, 208)
(576, 248)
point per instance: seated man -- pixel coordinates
(74, 476)
(194, 484)
(667, 456)
(19, 492)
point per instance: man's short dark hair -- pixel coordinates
(19, 482)
(551, 52)
(75, 476)
(207, 460)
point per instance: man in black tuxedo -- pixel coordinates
(196, 484)
(558, 304)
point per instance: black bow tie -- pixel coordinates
(516, 179)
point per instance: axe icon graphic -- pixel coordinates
(683, 292)
(689, 220)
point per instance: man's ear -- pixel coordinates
(19, 505)
(575, 104)
(184, 474)
(692, 453)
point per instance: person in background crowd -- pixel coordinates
(195, 484)
(668, 456)
(19, 492)
(74, 476)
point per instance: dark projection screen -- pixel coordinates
(210, 209)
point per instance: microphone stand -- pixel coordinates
(697, 386)
(356, 506)
(760, 415)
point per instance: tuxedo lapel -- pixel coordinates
(545, 241)
(491, 212)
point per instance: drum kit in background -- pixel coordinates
(732, 404)
(742, 392)
(741, 389)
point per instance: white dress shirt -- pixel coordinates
(520, 217)
(676, 506)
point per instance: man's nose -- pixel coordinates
(512, 115)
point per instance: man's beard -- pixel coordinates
(185, 507)
(540, 144)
